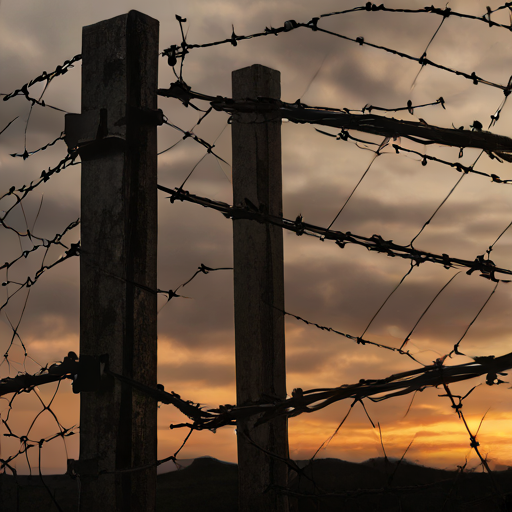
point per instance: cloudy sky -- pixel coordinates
(338, 288)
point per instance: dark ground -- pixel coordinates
(208, 484)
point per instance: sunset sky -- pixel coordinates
(338, 288)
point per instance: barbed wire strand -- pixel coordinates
(27, 154)
(412, 264)
(375, 243)
(357, 339)
(8, 124)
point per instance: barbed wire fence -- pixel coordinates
(438, 374)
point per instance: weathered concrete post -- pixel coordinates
(258, 286)
(117, 135)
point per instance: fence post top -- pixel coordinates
(256, 80)
(255, 68)
(130, 15)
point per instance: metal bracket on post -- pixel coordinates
(86, 129)
(89, 131)
(91, 373)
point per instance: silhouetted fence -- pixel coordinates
(115, 372)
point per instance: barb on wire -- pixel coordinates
(188, 408)
(375, 390)
(178, 51)
(376, 243)
(20, 193)
(202, 269)
(410, 107)
(466, 169)
(357, 339)
(25, 382)
(423, 61)
(452, 190)
(388, 297)
(343, 119)
(174, 52)
(445, 13)
(209, 147)
(8, 124)
(408, 337)
(344, 135)
(491, 247)
(424, 54)
(26, 153)
(455, 349)
(189, 131)
(74, 250)
(45, 243)
(43, 77)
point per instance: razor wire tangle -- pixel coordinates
(489, 381)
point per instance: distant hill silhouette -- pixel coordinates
(325, 485)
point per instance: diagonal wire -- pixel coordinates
(456, 346)
(407, 338)
(388, 297)
(354, 189)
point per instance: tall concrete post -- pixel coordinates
(258, 286)
(116, 134)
